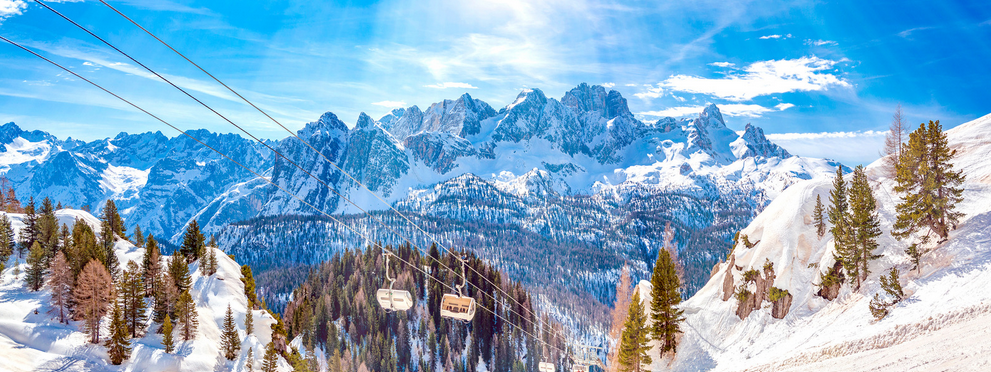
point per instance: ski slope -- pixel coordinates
(943, 324)
(31, 340)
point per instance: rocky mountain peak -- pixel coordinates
(758, 145)
(710, 118)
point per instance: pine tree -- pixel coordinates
(929, 186)
(186, 316)
(166, 296)
(7, 241)
(167, 340)
(271, 360)
(839, 218)
(179, 270)
(84, 247)
(633, 344)
(665, 299)
(139, 238)
(249, 361)
(29, 234)
(48, 230)
(210, 262)
(879, 308)
(118, 345)
(192, 242)
(230, 341)
(864, 226)
(249, 286)
(817, 216)
(249, 322)
(37, 267)
(915, 254)
(60, 283)
(891, 285)
(151, 265)
(92, 295)
(132, 290)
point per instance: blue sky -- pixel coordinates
(821, 78)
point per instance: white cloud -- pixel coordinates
(722, 64)
(762, 78)
(89, 64)
(652, 92)
(677, 98)
(850, 148)
(10, 8)
(451, 85)
(734, 110)
(608, 85)
(775, 37)
(820, 42)
(390, 104)
(783, 106)
(631, 85)
(822, 135)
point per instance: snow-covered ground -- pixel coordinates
(31, 340)
(943, 324)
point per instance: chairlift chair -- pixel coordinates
(393, 299)
(545, 367)
(458, 306)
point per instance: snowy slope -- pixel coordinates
(30, 341)
(941, 325)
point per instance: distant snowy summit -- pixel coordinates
(587, 142)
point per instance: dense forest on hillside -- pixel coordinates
(335, 309)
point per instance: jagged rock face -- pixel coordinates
(461, 118)
(762, 286)
(758, 145)
(374, 157)
(781, 307)
(522, 118)
(728, 286)
(439, 151)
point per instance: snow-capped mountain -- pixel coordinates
(941, 324)
(578, 182)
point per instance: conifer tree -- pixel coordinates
(271, 360)
(915, 254)
(929, 186)
(192, 242)
(249, 286)
(664, 301)
(179, 270)
(213, 241)
(167, 340)
(839, 218)
(48, 230)
(230, 342)
(817, 216)
(166, 296)
(891, 285)
(132, 295)
(92, 295)
(7, 241)
(37, 267)
(139, 238)
(864, 227)
(151, 265)
(249, 361)
(107, 241)
(29, 234)
(633, 344)
(249, 322)
(186, 316)
(60, 282)
(118, 345)
(84, 247)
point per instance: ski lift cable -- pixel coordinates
(449, 287)
(339, 194)
(294, 134)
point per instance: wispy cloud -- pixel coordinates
(821, 135)
(652, 92)
(763, 78)
(851, 148)
(451, 85)
(734, 109)
(722, 64)
(820, 42)
(765, 37)
(390, 104)
(907, 33)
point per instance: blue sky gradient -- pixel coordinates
(822, 78)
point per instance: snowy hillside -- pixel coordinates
(941, 325)
(30, 339)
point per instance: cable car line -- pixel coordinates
(274, 184)
(401, 236)
(294, 134)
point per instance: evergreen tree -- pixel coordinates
(633, 343)
(139, 238)
(167, 340)
(151, 265)
(37, 267)
(186, 316)
(132, 294)
(915, 254)
(929, 186)
(891, 285)
(84, 247)
(249, 322)
(664, 301)
(209, 265)
(839, 218)
(118, 345)
(92, 295)
(29, 234)
(879, 308)
(166, 296)
(112, 218)
(864, 226)
(192, 242)
(107, 241)
(213, 242)
(817, 216)
(249, 286)
(249, 361)
(7, 241)
(179, 271)
(230, 342)
(48, 230)
(60, 283)
(271, 360)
